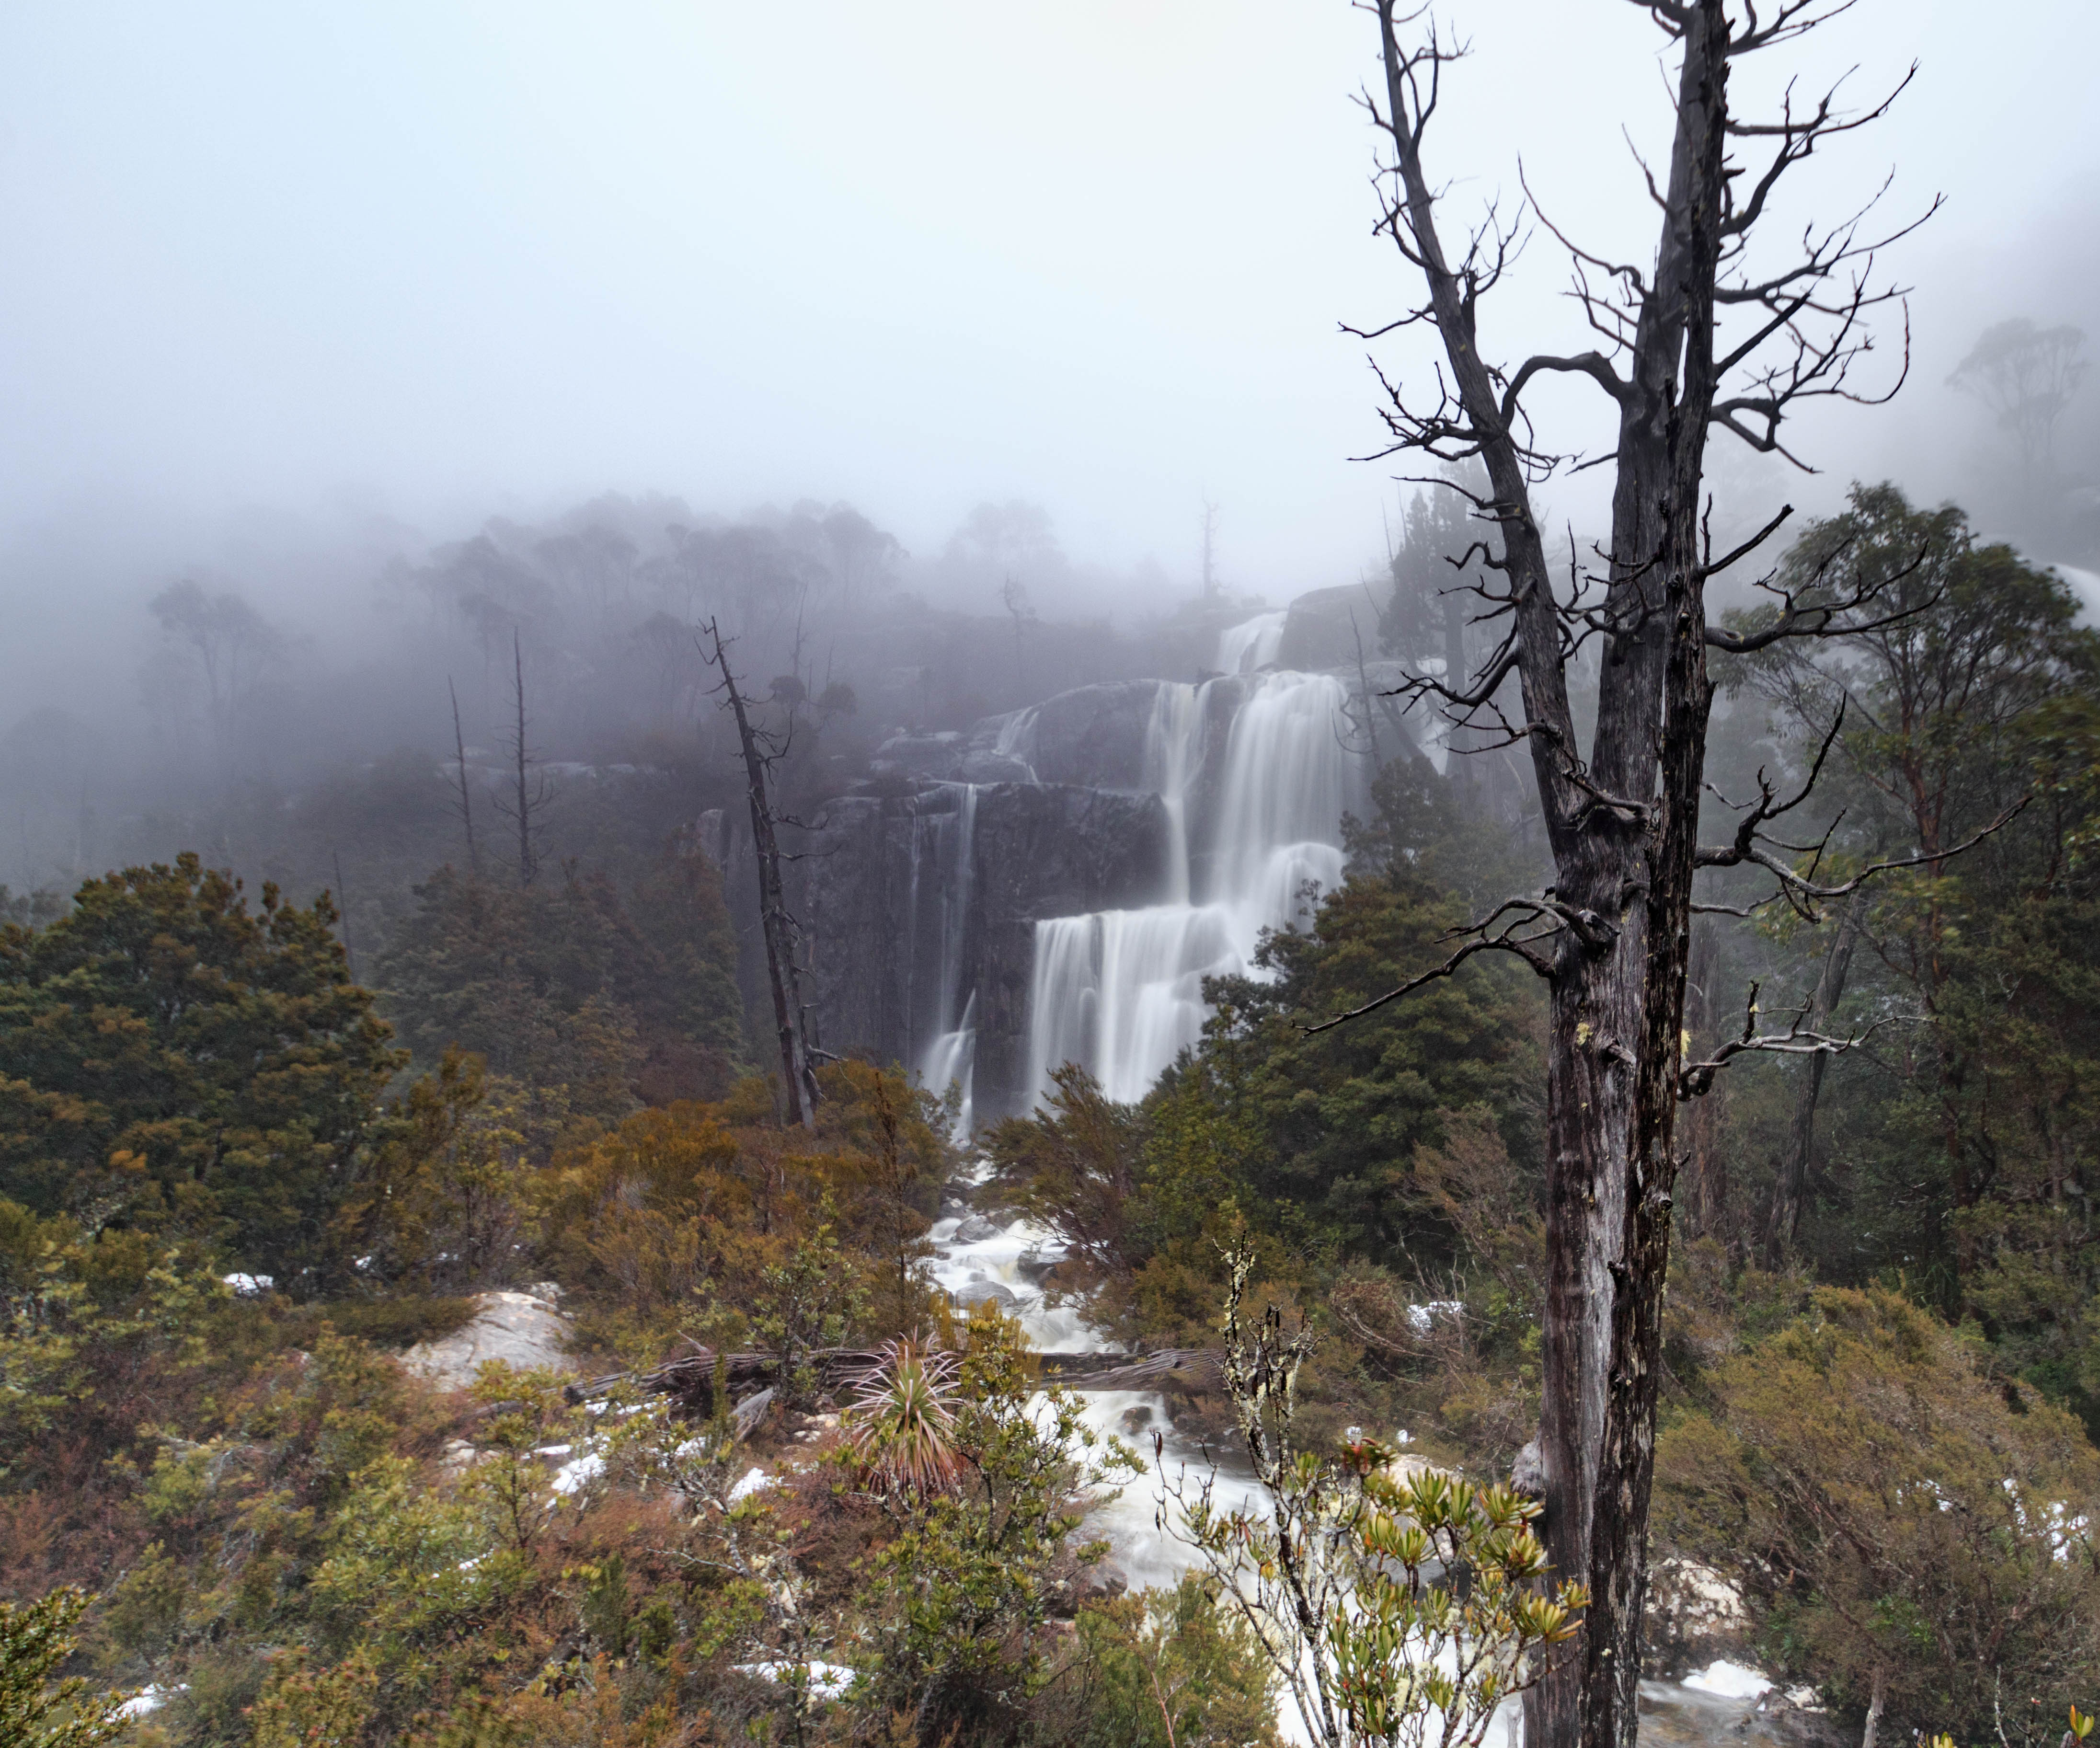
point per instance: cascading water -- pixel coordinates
(1252, 645)
(1121, 992)
(943, 874)
(1016, 740)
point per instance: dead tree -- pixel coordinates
(1701, 1204)
(530, 793)
(1705, 335)
(798, 1074)
(465, 794)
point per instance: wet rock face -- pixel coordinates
(1324, 626)
(902, 928)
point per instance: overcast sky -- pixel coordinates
(433, 261)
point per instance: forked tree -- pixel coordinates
(1708, 335)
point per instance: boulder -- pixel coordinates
(521, 1330)
(1318, 633)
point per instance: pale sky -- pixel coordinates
(434, 261)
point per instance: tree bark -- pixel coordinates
(797, 1074)
(1702, 1208)
(465, 795)
(1457, 767)
(1623, 835)
(528, 861)
(1790, 1186)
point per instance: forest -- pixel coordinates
(712, 1130)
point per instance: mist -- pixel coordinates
(299, 307)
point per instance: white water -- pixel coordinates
(943, 852)
(1121, 992)
(1251, 645)
(1144, 1554)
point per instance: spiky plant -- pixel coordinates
(902, 1419)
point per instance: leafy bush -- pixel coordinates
(1895, 1520)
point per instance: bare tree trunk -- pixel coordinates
(798, 1077)
(1612, 934)
(1790, 1186)
(1458, 768)
(1703, 1207)
(465, 795)
(1363, 692)
(528, 862)
(1873, 1729)
(343, 915)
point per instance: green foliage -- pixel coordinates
(84, 1323)
(1893, 1519)
(904, 1428)
(808, 1299)
(301, 1707)
(1071, 1165)
(1168, 1669)
(177, 1062)
(587, 998)
(955, 1598)
(1341, 1112)
(36, 1712)
(1946, 1150)
(444, 1198)
(1399, 1604)
(712, 1218)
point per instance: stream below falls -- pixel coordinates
(1725, 1705)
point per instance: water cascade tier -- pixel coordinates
(1120, 991)
(1055, 883)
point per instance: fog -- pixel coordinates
(296, 299)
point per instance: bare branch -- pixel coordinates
(1522, 913)
(1696, 1079)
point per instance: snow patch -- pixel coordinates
(755, 1480)
(826, 1681)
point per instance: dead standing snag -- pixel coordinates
(1707, 334)
(797, 1071)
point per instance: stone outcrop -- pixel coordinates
(524, 1330)
(912, 903)
(918, 895)
(1317, 633)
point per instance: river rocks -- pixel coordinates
(521, 1330)
(974, 1229)
(1072, 1585)
(974, 1293)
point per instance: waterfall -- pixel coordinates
(1016, 740)
(943, 873)
(1252, 645)
(1173, 744)
(1121, 992)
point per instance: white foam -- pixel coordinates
(1728, 1680)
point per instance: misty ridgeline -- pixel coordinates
(660, 1127)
